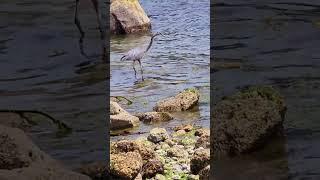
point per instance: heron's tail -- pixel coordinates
(123, 58)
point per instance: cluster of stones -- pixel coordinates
(185, 154)
(243, 123)
(121, 119)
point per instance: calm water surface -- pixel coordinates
(177, 61)
(276, 43)
(42, 69)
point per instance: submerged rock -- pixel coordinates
(245, 121)
(152, 117)
(199, 160)
(125, 165)
(181, 102)
(20, 159)
(127, 16)
(158, 135)
(121, 119)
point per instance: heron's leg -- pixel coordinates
(135, 72)
(102, 32)
(141, 69)
(77, 22)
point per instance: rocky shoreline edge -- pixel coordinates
(183, 154)
(243, 123)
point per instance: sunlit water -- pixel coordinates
(177, 61)
(41, 68)
(276, 43)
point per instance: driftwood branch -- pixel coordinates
(61, 125)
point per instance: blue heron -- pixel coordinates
(77, 22)
(137, 53)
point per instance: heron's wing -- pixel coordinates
(136, 53)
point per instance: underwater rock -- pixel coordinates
(20, 159)
(199, 160)
(151, 117)
(121, 119)
(125, 165)
(127, 16)
(181, 102)
(158, 135)
(245, 121)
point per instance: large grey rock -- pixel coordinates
(121, 119)
(20, 159)
(127, 16)
(181, 102)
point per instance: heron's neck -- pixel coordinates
(150, 44)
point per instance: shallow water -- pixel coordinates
(276, 43)
(177, 61)
(41, 68)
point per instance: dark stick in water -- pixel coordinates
(61, 125)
